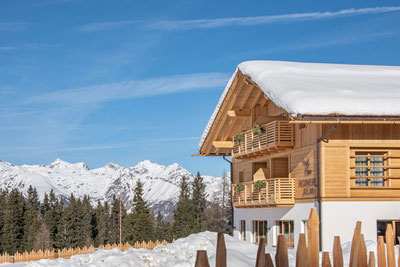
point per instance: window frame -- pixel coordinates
(363, 164)
(291, 235)
(256, 235)
(395, 226)
(243, 230)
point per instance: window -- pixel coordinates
(366, 172)
(381, 226)
(242, 230)
(304, 228)
(286, 228)
(260, 230)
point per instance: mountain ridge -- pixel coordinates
(160, 182)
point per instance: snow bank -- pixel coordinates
(322, 89)
(181, 253)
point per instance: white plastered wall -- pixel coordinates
(297, 213)
(340, 217)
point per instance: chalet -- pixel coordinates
(305, 135)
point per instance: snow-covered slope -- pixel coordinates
(181, 253)
(160, 183)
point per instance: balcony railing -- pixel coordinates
(277, 192)
(276, 135)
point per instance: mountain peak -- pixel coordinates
(64, 164)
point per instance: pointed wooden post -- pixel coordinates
(337, 252)
(220, 260)
(391, 259)
(362, 253)
(381, 252)
(313, 238)
(260, 260)
(355, 245)
(302, 253)
(201, 259)
(268, 260)
(281, 256)
(398, 260)
(326, 261)
(371, 260)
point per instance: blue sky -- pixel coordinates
(123, 81)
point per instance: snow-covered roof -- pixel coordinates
(323, 89)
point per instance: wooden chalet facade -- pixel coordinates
(283, 164)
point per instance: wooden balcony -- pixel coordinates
(277, 136)
(276, 193)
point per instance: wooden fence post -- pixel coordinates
(371, 260)
(381, 252)
(281, 256)
(313, 238)
(268, 260)
(391, 259)
(302, 253)
(337, 252)
(362, 253)
(201, 259)
(260, 260)
(326, 261)
(220, 260)
(398, 260)
(355, 245)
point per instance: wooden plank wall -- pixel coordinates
(306, 134)
(335, 166)
(303, 168)
(342, 143)
(335, 170)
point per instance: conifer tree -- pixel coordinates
(114, 220)
(140, 222)
(3, 209)
(13, 230)
(199, 198)
(184, 217)
(46, 205)
(32, 217)
(86, 221)
(159, 227)
(67, 233)
(52, 212)
(100, 225)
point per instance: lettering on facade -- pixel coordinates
(309, 186)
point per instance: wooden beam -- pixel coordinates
(239, 113)
(344, 122)
(223, 144)
(220, 120)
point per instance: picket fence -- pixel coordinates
(307, 254)
(67, 253)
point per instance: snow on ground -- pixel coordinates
(181, 253)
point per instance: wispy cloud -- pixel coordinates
(183, 25)
(134, 89)
(98, 26)
(7, 48)
(12, 26)
(29, 46)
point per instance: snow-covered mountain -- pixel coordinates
(160, 183)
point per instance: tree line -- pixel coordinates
(26, 223)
